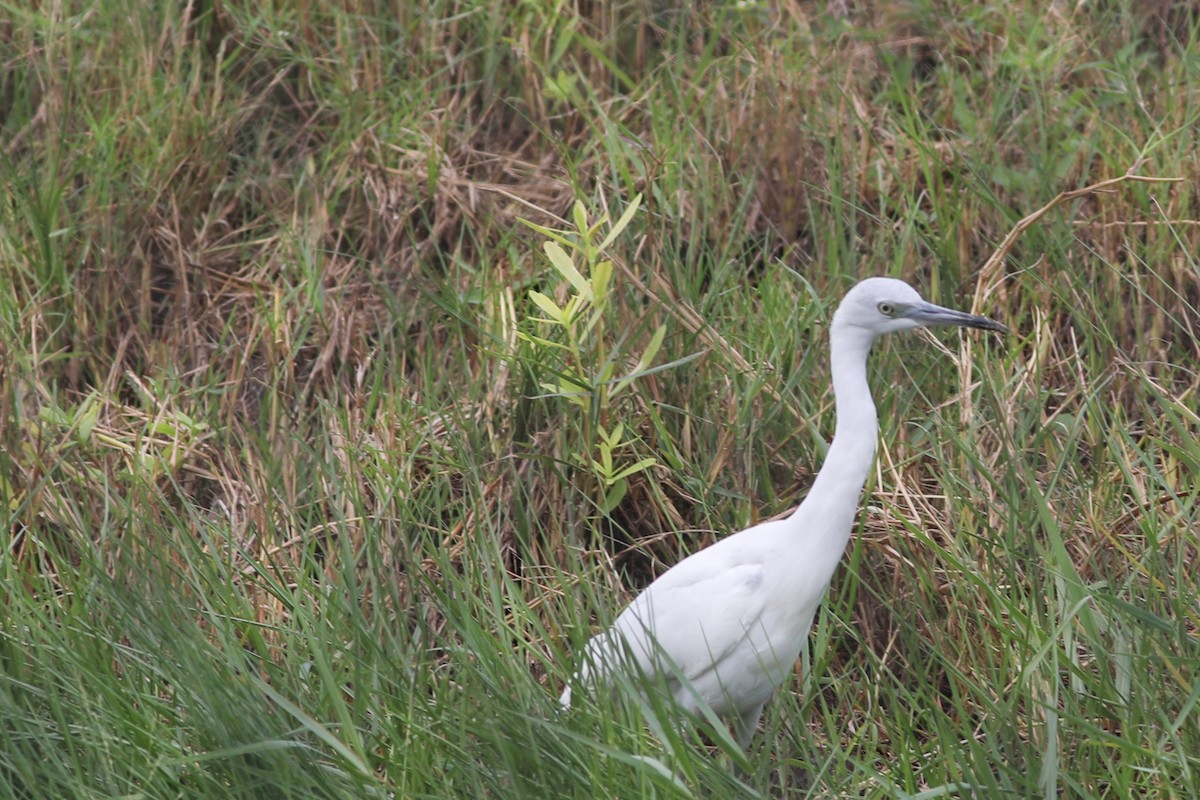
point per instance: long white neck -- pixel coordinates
(832, 504)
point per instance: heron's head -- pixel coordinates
(884, 305)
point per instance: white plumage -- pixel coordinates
(723, 628)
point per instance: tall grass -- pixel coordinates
(290, 512)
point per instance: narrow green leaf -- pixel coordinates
(564, 390)
(562, 237)
(660, 368)
(88, 418)
(594, 228)
(568, 385)
(606, 372)
(574, 305)
(613, 495)
(652, 349)
(349, 755)
(566, 34)
(566, 267)
(538, 340)
(601, 278)
(580, 214)
(634, 469)
(54, 415)
(647, 356)
(617, 434)
(548, 306)
(162, 427)
(623, 222)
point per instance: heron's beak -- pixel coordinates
(929, 314)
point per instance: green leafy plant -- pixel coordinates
(573, 348)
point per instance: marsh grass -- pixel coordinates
(286, 513)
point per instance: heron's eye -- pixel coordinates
(886, 309)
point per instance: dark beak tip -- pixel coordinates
(998, 327)
(984, 323)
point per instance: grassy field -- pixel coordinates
(304, 498)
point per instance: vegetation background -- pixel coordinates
(301, 499)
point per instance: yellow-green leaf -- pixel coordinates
(594, 228)
(613, 495)
(647, 356)
(601, 276)
(88, 416)
(547, 305)
(652, 349)
(550, 233)
(580, 217)
(623, 222)
(617, 434)
(538, 340)
(633, 469)
(566, 267)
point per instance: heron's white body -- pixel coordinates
(723, 628)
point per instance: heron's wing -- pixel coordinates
(697, 625)
(688, 621)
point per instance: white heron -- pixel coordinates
(723, 628)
